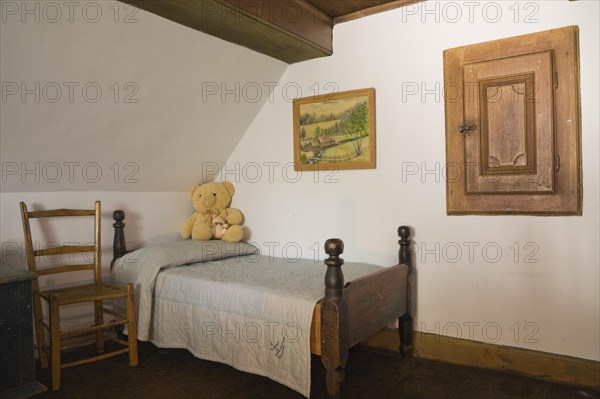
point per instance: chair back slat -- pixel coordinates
(65, 269)
(60, 212)
(64, 249)
(33, 254)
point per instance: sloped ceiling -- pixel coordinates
(134, 104)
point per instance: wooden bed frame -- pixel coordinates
(348, 313)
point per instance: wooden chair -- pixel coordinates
(94, 292)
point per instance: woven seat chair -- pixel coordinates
(95, 293)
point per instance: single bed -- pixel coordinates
(226, 302)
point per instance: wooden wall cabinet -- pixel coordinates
(513, 136)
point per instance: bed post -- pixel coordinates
(406, 321)
(119, 245)
(334, 337)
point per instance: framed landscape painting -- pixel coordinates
(335, 131)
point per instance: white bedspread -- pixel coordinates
(251, 312)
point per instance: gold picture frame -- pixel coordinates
(335, 131)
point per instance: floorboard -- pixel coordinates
(371, 373)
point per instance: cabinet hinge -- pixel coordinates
(555, 80)
(557, 162)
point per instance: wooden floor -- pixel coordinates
(372, 373)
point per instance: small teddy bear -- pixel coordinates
(219, 227)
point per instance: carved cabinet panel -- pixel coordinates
(514, 123)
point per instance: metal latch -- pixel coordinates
(467, 128)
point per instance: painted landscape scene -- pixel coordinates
(336, 131)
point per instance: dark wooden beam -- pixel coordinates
(374, 9)
(288, 30)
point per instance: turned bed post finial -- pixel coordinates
(404, 255)
(405, 329)
(334, 278)
(119, 245)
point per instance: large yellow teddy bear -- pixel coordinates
(213, 218)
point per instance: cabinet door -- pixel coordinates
(513, 125)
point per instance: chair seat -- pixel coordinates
(85, 293)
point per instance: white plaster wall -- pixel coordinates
(524, 281)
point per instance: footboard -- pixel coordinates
(375, 301)
(352, 312)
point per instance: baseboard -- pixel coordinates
(547, 366)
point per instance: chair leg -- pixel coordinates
(131, 327)
(99, 320)
(55, 343)
(40, 331)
